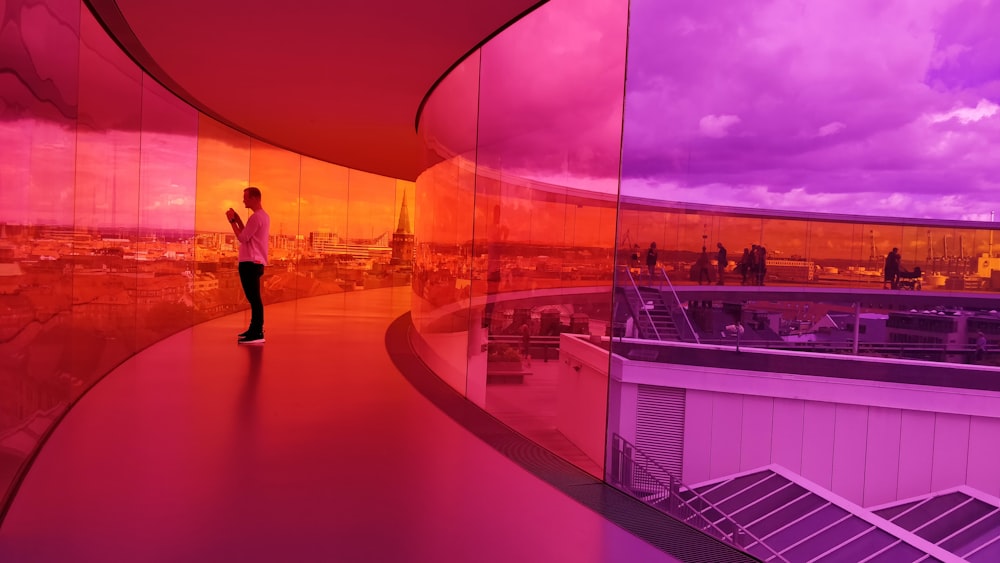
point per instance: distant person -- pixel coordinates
(754, 264)
(744, 266)
(890, 272)
(723, 261)
(634, 263)
(980, 346)
(760, 263)
(525, 331)
(700, 272)
(651, 259)
(253, 238)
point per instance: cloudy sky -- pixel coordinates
(876, 108)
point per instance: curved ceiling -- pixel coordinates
(338, 81)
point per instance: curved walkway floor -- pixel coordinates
(311, 447)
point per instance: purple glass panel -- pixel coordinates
(898, 121)
(548, 144)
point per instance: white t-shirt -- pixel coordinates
(253, 239)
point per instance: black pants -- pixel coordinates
(250, 274)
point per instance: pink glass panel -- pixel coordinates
(443, 231)
(106, 213)
(549, 135)
(165, 248)
(40, 51)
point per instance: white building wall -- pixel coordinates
(869, 442)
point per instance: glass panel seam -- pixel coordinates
(942, 515)
(970, 525)
(844, 518)
(799, 519)
(842, 544)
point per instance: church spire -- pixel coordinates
(404, 218)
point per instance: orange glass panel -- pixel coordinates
(370, 213)
(223, 172)
(165, 248)
(322, 236)
(276, 173)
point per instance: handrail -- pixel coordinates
(722, 535)
(677, 299)
(642, 300)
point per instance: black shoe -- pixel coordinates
(244, 334)
(252, 338)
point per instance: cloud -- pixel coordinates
(864, 108)
(831, 128)
(717, 126)
(966, 115)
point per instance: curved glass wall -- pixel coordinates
(112, 228)
(804, 192)
(507, 256)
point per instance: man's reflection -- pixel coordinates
(245, 438)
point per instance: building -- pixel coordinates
(527, 163)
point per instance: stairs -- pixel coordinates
(659, 313)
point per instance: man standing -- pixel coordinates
(723, 261)
(253, 239)
(651, 258)
(980, 346)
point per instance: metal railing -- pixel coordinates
(545, 343)
(642, 477)
(642, 301)
(677, 300)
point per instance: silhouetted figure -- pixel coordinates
(723, 261)
(651, 258)
(980, 346)
(890, 272)
(700, 271)
(525, 331)
(744, 266)
(760, 265)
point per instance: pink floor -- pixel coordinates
(311, 447)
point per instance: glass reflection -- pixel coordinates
(322, 236)
(276, 173)
(106, 211)
(538, 148)
(842, 131)
(165, 245)
(451, 338)
(38, 113)
(223, 170)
